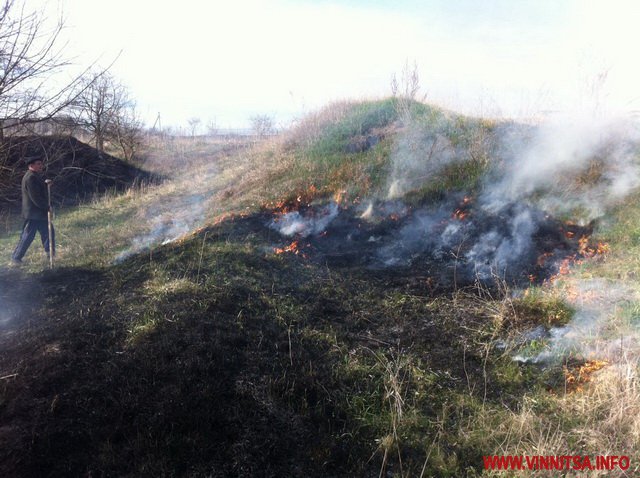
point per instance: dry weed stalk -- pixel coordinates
(397, 375)
(405, 90)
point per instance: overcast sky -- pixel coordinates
(226, 61)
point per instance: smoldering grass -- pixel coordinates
(541, 306)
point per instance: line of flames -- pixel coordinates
(282, 208)
(585, 251)
(305, 198)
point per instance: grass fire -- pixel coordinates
(379, 291)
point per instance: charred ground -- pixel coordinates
(451, 243)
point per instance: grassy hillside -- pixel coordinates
(214, 354)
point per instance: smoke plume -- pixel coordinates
(600, 329)
(573, 167)
(497, 249)
(567, 165)
(167, 222)
(419, 153)
(16, 297)
(314, 222)
(174, 208)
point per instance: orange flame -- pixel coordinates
(293, 247)
(576, 377)
(460, 214)
(564, 266)
(228, 215)
(563, 269)
(543, 258)
(585, 251)
(339, 196)
(590, 251)
(293, 203)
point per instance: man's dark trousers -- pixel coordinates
(31, 226)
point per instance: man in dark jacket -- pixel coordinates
(35, 207)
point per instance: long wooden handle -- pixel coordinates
(50, 221)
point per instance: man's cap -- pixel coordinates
(32, 159)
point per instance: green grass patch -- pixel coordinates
(361, 120)
(538, 306)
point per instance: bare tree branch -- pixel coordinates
(105, 110)
(31, 54)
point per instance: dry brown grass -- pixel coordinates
(308, 130)
(602, 419)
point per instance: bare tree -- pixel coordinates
(30, 54)
(194, 124)
(212, 127)
(262, 125)
(100, 106)
(128, 132)
(64, 124)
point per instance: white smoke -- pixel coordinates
(495, 250)
(368, 212)
(572, 166)
(419, 152)
(15, 293)
(577, 167)
(5, 315)
(598, 329)
(167, 222)
(423, 234)
(179, 205)
(568, 165)
(294, 223)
